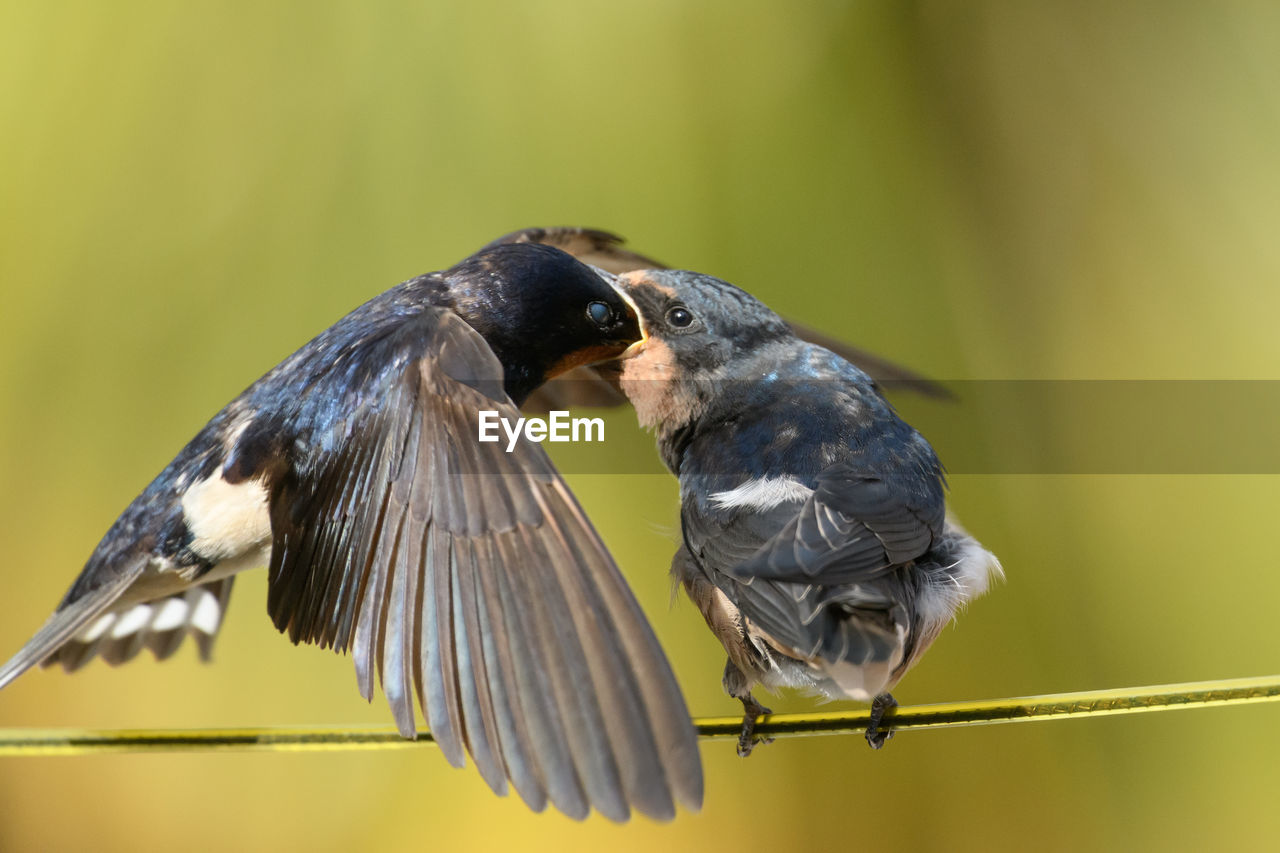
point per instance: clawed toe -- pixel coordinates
(751, 711)
(876, 736)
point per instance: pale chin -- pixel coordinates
(647, 386)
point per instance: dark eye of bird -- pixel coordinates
(679, 317)
(600, 313)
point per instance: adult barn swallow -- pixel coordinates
(452, 569)
(816, 540)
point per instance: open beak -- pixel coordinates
(635, 348)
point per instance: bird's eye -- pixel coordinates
(679, 317)
(600, 313)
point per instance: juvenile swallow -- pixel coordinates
(816, 541)
(450, 569)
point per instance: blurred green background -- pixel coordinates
(980, 190)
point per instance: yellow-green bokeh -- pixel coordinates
(188, 191)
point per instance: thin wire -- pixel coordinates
(1164, 697)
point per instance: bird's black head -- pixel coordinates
(541, 311)
(700, 333)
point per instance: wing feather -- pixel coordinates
(443, 706)
(536, 666)
(592, 758)
(513, 733)
(478, 717)
(71, 619)
(394, 660)
(856, 526)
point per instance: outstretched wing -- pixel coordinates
(469, 577)
(593, 386)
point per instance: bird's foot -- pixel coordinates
(751, 711)
(882, 704)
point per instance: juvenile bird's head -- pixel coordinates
(700, 332)
(541, 311)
